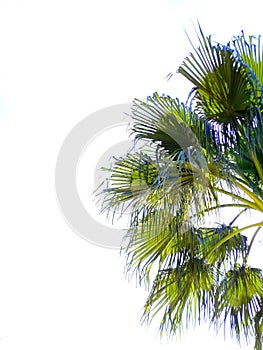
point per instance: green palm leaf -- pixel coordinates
(219, 79)
(183, 292)
(251, 52)
(239, 298)
(166, 122)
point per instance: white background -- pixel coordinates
(59, 62)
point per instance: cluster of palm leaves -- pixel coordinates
(200, 158)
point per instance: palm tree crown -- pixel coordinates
(200, 158)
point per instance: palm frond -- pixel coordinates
(219, 80)
(238, 299)
(231, 250)
(185, 293)
(130, 181)
(250, 51)
(167, 122)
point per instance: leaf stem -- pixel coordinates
(253, 239)
(250, 204)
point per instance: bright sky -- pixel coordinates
(61, 61)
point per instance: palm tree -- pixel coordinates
(200, 158)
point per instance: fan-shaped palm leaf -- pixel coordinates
(239, 298)
(219, 78)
